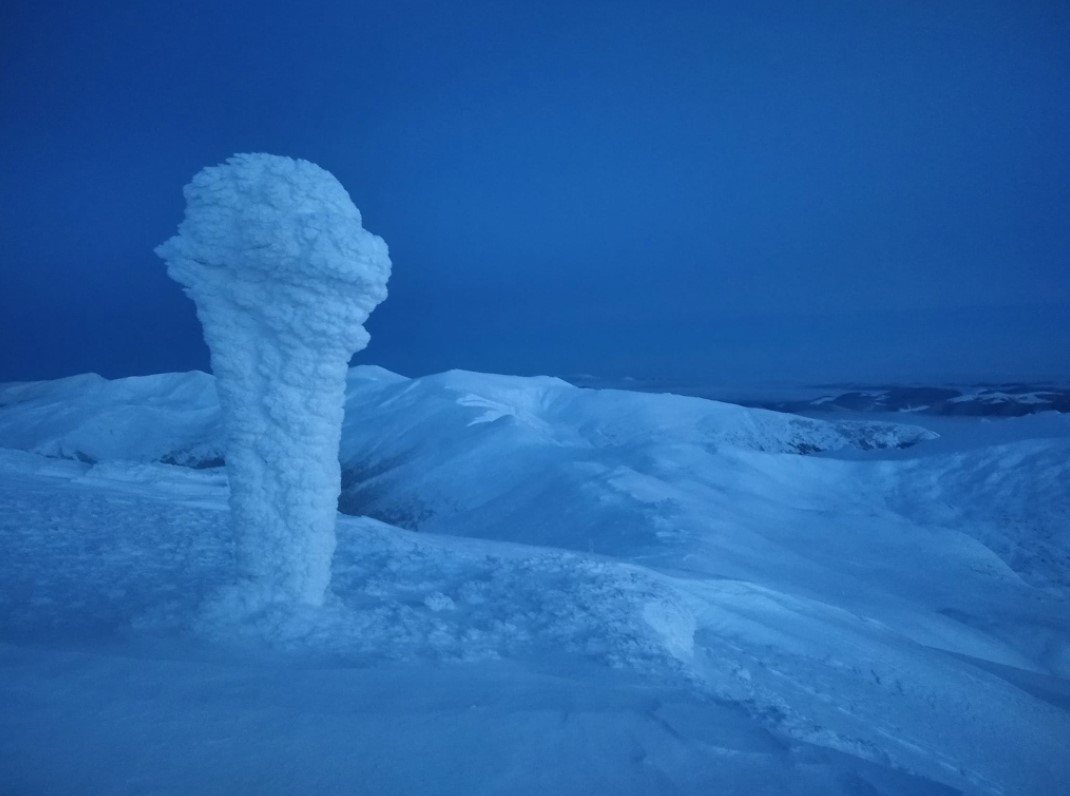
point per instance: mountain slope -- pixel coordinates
(658, 594)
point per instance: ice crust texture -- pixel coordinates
(273, 253)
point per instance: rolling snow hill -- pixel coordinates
(540, 589)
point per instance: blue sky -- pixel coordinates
(714, 191)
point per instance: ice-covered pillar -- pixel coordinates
(273, 253)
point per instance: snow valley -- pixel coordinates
(538, 588)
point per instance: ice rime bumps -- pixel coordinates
(273, 253)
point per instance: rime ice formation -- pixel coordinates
(273, 253)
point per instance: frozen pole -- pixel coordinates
(272, 252)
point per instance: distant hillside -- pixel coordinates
(1010, 399)
(990, 400)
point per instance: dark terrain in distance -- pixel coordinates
(1011, 399)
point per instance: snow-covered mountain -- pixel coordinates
(1004, 400)
(174, 418)
(541, 589)
(1011, 399)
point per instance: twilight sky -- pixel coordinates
(752, 192)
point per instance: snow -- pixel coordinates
(550, 590)
(172, 418)
(273, 253)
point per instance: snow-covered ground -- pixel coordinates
(538, 589)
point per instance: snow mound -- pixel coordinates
(539, 447)
(171, 417)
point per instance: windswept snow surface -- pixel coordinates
(552, 590)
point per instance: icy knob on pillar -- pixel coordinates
(283, 274)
